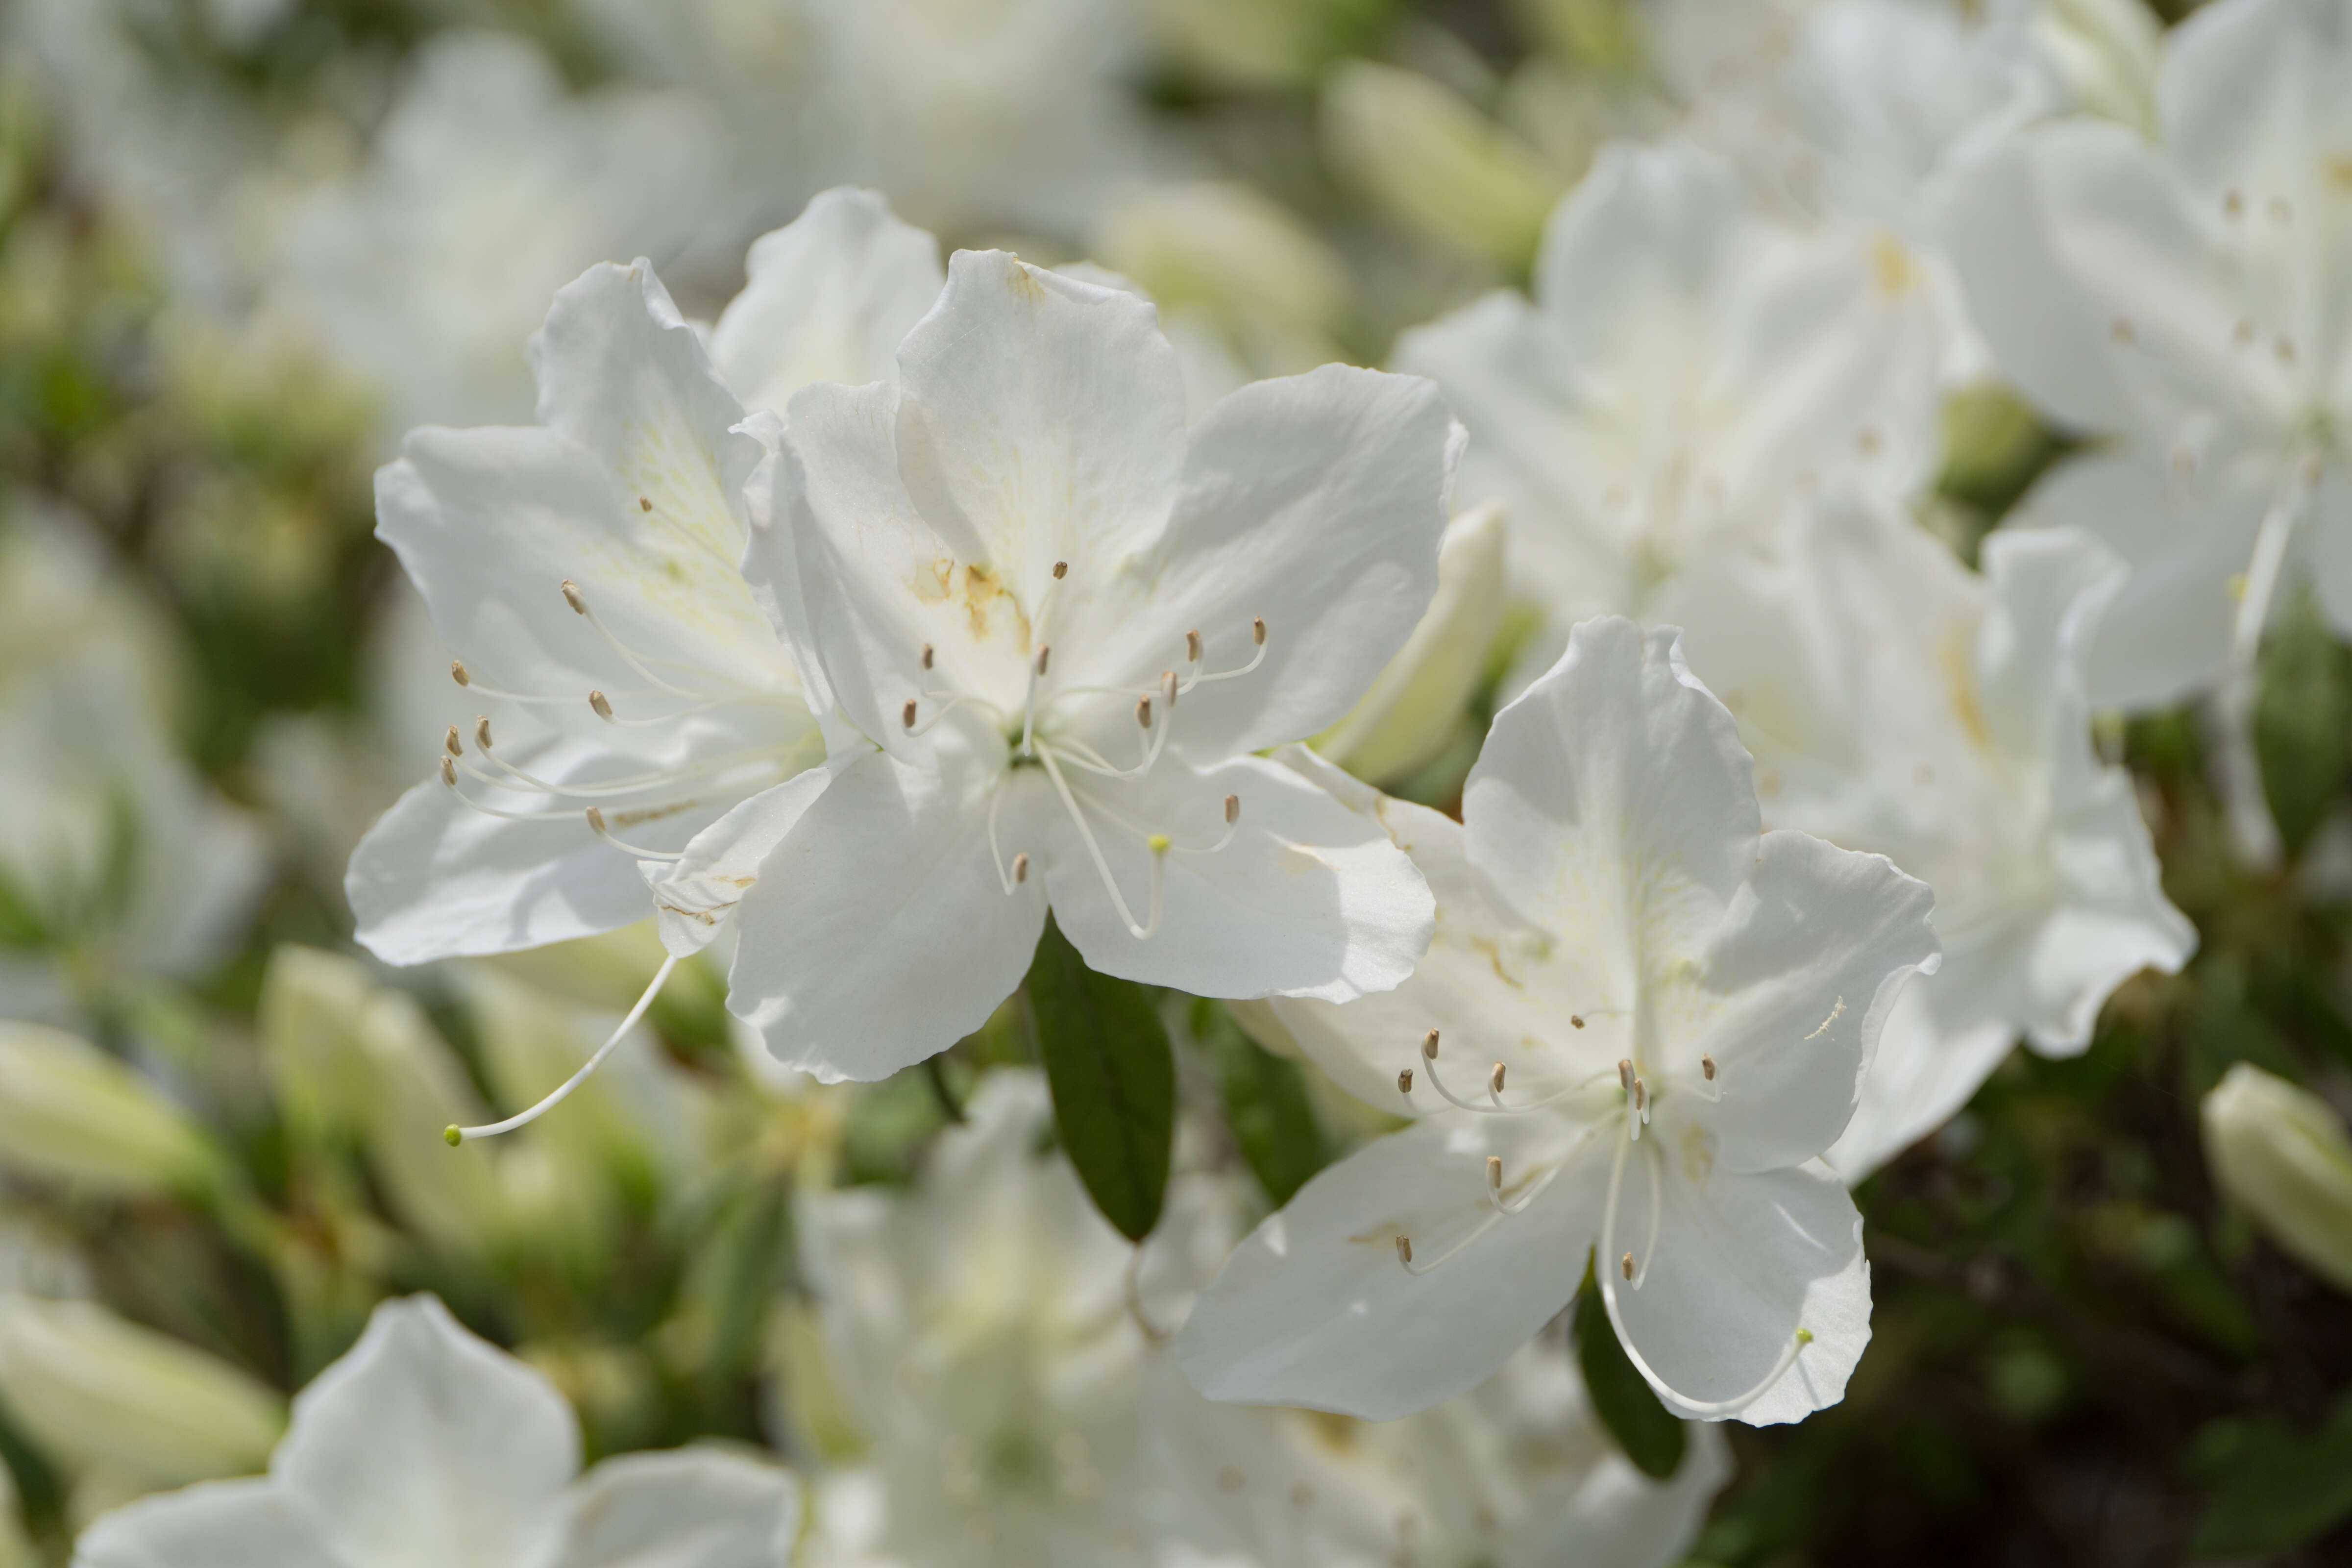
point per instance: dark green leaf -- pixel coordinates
(2280, 1489)
(1650, 1434)
(1266, 1105)
(1114, 1078)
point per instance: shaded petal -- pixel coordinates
(426, 1444)
(694, 894)
(1929, 1063)
(685, 1508)
(1614, 805)
(1314, 501)
(2167, 632)
(829, 296)
(1792, 994)
(1306, 900)
(220, 1524)
(1497, 988)
(1742, 1262)
(434, 878)
(879, 931)
(1620, 1518)
(1044, 420)
(1313, 1309)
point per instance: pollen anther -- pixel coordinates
(574, 598)
(1429, 1047)
(602, 708)
(456, 747)
(457, 672)
(907, 714)
(1233, 809)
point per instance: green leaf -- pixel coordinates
(1650, 1434)
(1266, 1105)
(1113, 1080)
(2280, 1489)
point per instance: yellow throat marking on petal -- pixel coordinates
(1893, 267)
(2339, 169)
(1961, 682)
(1698, 1153)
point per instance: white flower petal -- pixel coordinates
(1314, 1307)
(1794, 991)
(434, 878)
(1308, 898)
(426, 1444)
(1616, 788)
(1742, 1263)
(1044, 419)
(880, 931)
(219, 1524)
(829, 296)
(685, 1508)
(1314, 502)
(693, 895)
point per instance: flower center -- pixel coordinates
(1042, 733)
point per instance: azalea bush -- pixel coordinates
(1173, 781)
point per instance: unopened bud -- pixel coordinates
(2282, 1154)
(71, 1113)
(98, 1391)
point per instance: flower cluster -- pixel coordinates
(1173, 782)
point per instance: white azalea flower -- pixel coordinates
(1017, 112)
(1066, 621)
(486, 189)
(1688, 369)
(2186, 303)
(1897, 703)
(1516, 1473)
(426, 1444)
(981, 1342)
(1000, 1364)
(119, 866)
(1641, 1020)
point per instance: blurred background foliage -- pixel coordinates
(2081, 1356)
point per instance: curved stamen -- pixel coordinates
(1257, 635)
(954, 699)
(1607, 1277)
(449, 777)
(1404, 1247)
(579, 606)
(457, 1135)
(1159, 844)
(465, 677)
(596, 821)
(1494, 1187)
(1019, 874)
(1429, 1058)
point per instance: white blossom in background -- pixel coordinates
(1688, 370)
(1899, 703)
(1013, 1401)
(980, 1340)
(427, 1445)
(2185, 304)
(1641, 1021)
(973, 119)
(1062, 621)
(1516, 1473)
(120, 868)
(424, 268)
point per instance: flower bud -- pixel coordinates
(1436, 163)
(452, 1196)
(1226, 251)
(311, 1004)
(2105, 53)
(1263, 43)
(70, 1112)
(2282, 1154)
(94, 1391)
(1414, 708)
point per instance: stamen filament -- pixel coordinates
(457, 1135)
(579, 606)
(1102, 866)
(596, 821)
